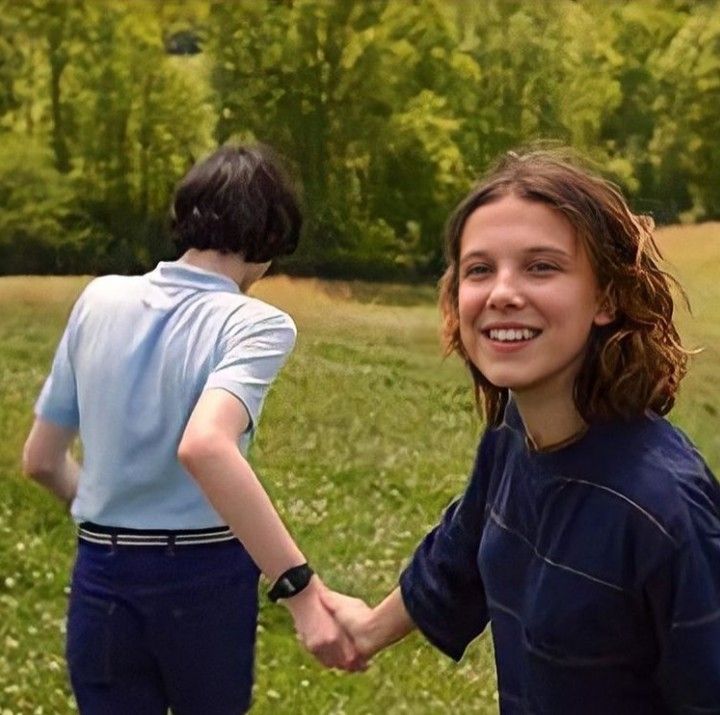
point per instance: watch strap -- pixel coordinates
(291, 582)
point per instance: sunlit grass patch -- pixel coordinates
(40, 290)
(366, 436)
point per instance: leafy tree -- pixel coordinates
(387, 109)
(42, 227)
(643, 30)
(685, 143)
(11, 58)
(341, 88)
(48, 32)
(140, 118)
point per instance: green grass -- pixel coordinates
(366, 436)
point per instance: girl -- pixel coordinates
(164, 376)
(589, 533)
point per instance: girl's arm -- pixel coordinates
(47, 460)
(371, 629)
(684, 600)
(441, 591)
(209, 451)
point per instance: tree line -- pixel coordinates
(386, 110)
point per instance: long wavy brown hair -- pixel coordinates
(635, 363)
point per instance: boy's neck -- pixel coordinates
(230, 265)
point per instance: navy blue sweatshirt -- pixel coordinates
(597, 566)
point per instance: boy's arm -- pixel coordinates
(47, 460)
(209, 451)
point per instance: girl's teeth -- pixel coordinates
(512, 334)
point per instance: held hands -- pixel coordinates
(319, 632)
(355, 617)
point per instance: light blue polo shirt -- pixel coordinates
(136, 355)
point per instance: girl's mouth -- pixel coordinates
(511, 335)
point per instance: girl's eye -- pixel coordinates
(542, 267)
(477, 270)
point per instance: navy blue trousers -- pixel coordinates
(154, 627)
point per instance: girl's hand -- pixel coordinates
(371, 629)
(355, 617)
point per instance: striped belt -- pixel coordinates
(111, 536)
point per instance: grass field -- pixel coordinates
(366, 436)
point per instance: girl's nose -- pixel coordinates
(505, 292)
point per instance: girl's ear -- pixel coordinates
(607, 310)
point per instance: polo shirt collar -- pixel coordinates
(183, 275)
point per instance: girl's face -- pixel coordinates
(528, 297)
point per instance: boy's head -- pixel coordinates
(238, 200)
(636, 362)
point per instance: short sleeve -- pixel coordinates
(58, 401)
(684, 596)
(250, 359)
(441, 587)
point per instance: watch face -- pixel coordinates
(291, 582)
(286, 586)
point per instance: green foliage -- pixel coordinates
(387, 110)
(41, 223)
(144, 121)
(124, 119)
(10, 60)
(689, 126)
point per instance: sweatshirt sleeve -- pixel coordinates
(441, 587)
(684, 596)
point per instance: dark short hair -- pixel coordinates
(632, 365)
(238, 200)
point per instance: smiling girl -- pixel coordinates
(589, 533)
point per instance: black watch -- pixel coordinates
(291, 582)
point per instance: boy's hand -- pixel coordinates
(319, 632)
